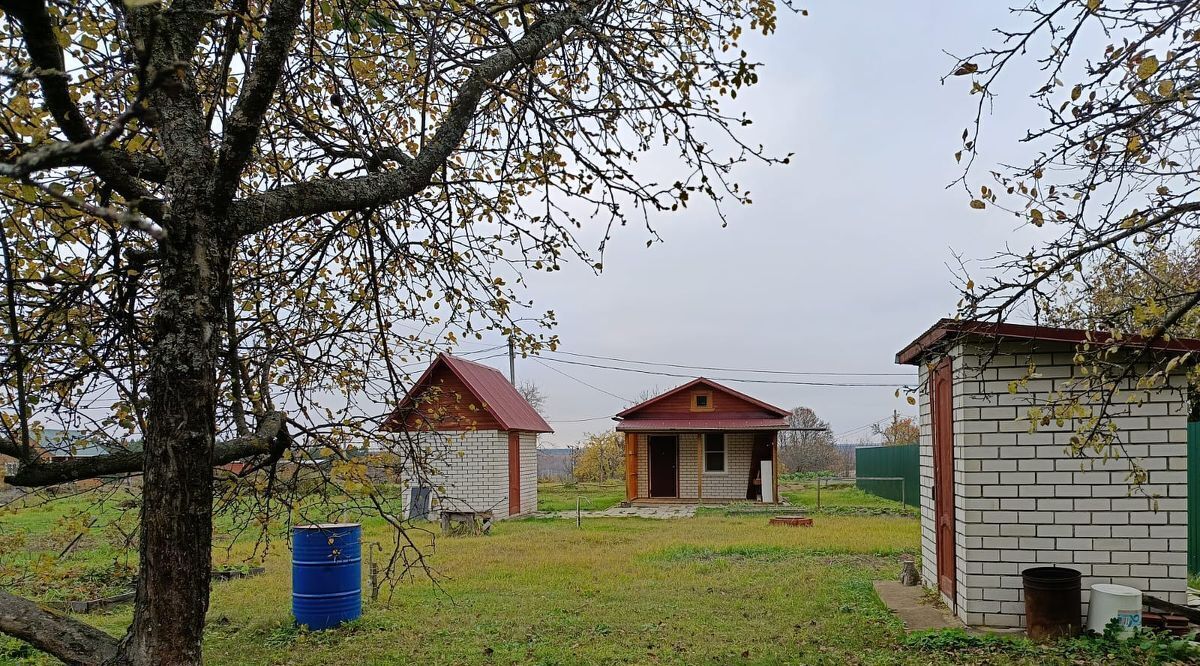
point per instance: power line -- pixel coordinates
(484, 358)
(862, 427)
(594, 418)
(723, 379)
(720, 369)
(572, 377)
(483, 351)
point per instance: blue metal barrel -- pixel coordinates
(326, 574)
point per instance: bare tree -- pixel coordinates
(1112, 181)
(225, 220)
(533, 395)
(812, 447)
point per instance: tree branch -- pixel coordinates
(49, 65)
(270, 438)
(326, 195)
(70, 640)
(242, 126)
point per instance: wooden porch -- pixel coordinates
(648, 482)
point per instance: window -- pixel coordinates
(702, 401)
(714, 452)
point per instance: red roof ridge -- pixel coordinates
(493, 390)
(945, 327)
(781, 413)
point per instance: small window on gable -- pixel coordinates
(702, 401)
(714, 452)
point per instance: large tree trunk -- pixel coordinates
(176, 527)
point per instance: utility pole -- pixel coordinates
(512, 361)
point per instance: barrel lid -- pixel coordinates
(326, 526)
(1116, 590)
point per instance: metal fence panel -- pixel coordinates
(902, 461)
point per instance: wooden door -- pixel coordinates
(514, 473)
(664, 465)
(943, 475)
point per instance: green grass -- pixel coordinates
(596, 496)
(714, 589)
(841, 496)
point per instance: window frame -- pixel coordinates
(724, 453)
(707, 395)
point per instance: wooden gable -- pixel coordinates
(719, 402)
(444, 402)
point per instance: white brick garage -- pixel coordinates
(1019, 499)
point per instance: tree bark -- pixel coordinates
(270, 438)
(70, 640)
(176, 528)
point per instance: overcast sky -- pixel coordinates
(844, 256)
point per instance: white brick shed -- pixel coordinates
(1018, 497)
(474, 439)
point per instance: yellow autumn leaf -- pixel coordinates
(1093, 5)
(1036, 217)
(1166, 87)
(1134, 144)
(1147, 67)
(978, 204)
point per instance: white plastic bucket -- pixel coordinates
(1114, 601)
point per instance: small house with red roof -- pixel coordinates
(1002, 488)
(701, 442)
(473, 439)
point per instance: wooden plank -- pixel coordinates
(775, 467)
(446, 403)
(1186, 611)
(631, 466)
(514, 473)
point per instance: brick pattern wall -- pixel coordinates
(471, 469)
(739, 449)
(528, 472)
(1022, 501)
(643, 464)
(729, 485)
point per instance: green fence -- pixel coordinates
(902, 461)
(1193, 496)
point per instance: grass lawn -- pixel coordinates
(714, 589)
(554, 496)
(841, 496)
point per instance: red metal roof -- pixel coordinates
(493, 390)
(770, 409)
(945, 328)
(699, 425)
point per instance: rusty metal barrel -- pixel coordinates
(1053, 602)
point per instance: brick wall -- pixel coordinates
(1022, 501)
(731, 484)
(529, 471)
(470, 470)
